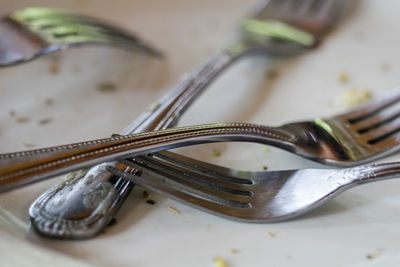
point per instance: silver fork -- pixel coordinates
(364, 134)
(278, 26)
(259, 197)
(36, 31)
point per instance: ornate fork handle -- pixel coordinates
(36, 165)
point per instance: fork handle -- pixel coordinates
(39, 164)
(63, 211)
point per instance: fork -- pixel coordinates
(366, 133)
(32, 32)
(281, 27)
(248, 196)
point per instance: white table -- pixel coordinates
(358, 223)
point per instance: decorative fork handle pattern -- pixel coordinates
(64, 212)
(21, 168)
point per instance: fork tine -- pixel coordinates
(187, 195)
(381, 133)
(385, 116)
(370, 109)
(228, 184)
(220, 192)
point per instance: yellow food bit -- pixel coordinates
(219, 262)
(22, 119)
(384, 66)
(372, 256)
(234, 250)
(343, 77)
(174, 210)
(355, 97)
(217, 152)
(271, 234)
(266, 149)
(27, 145)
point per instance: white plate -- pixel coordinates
(358, 223)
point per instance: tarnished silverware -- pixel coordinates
(284, 27)
(32, 32)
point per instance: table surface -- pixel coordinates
(357, 228)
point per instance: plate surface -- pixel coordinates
(57, 100)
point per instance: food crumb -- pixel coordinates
(174, 210)
(27, 145)
(355, 97)
(385, 67)
(234, 250)
(265, 167)
(44, 121)
(49, 101)
(107, 87)
(272, 74)
(219, 262)
(216, 152)
(150, 201)
(22, 119)
(372, 256)
(266, 149)
(271, 234)
(112, 222)
(54, 68)
(343, 78)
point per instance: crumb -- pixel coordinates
(112, 222)
(266, 149)
(174, 210)
(385, 67)
(27, 145)
(219, 262)
(343, 78)
(22, 119)
(12, 113)
(271, 234)
(355, 97)
(216, 152)
(146, 194)
(234, 250)
(265, 167)
(107, 87)
(49, 101)
(150, 201)
(44, 121)
(272, 74)
(54, 68)
(372, 256)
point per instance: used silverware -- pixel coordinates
(36, 31)
(284, 27)
(259, 197)
(366, 133)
